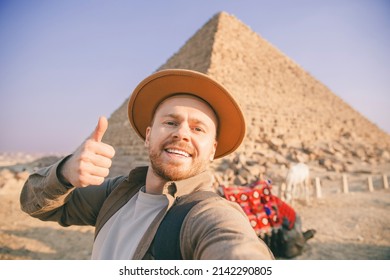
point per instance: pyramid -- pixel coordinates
(290, 115)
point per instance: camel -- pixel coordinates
(297, 183)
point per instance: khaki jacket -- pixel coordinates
(213, 229)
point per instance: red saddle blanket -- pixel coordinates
(265, 211)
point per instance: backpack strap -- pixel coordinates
(166, 242)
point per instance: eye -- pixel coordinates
(198, 129)
(171, 123)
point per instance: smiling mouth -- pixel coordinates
(178, 152)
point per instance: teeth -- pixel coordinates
(174, 151)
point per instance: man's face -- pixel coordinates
(182, 138)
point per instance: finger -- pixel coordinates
(99, 148)
(106, 150)
(96, 180)
(91, 180)
(90, 174)
(101, 161)
(100, 129)
(88, 168)
(99, 171)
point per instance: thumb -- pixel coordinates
(100, 129)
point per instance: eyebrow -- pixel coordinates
(178, 117)
(196, 120)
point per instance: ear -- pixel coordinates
(213, 150)
(147, 136)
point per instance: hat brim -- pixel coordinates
(165, 83)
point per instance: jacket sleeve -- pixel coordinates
(44, 197)
(220, 230)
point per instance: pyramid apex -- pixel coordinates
(224, 16)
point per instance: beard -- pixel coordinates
(175, 170)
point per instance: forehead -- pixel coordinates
(189, 102)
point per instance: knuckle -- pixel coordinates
(88, 144)
(81, 168)
(83, 156)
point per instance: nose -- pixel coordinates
(182, 132)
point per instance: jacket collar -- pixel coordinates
(201, 182)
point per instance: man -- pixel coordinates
(186, 120)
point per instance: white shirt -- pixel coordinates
(119, 237)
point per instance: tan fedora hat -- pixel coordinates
(165, 83)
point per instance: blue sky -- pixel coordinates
(65, 63)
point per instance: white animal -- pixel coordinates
(297, 182)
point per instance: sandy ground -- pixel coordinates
(349, 226)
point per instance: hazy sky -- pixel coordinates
(65, 63)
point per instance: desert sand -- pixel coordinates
(350, 226)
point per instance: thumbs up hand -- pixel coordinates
(90, 163)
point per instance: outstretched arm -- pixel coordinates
(72, 190)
